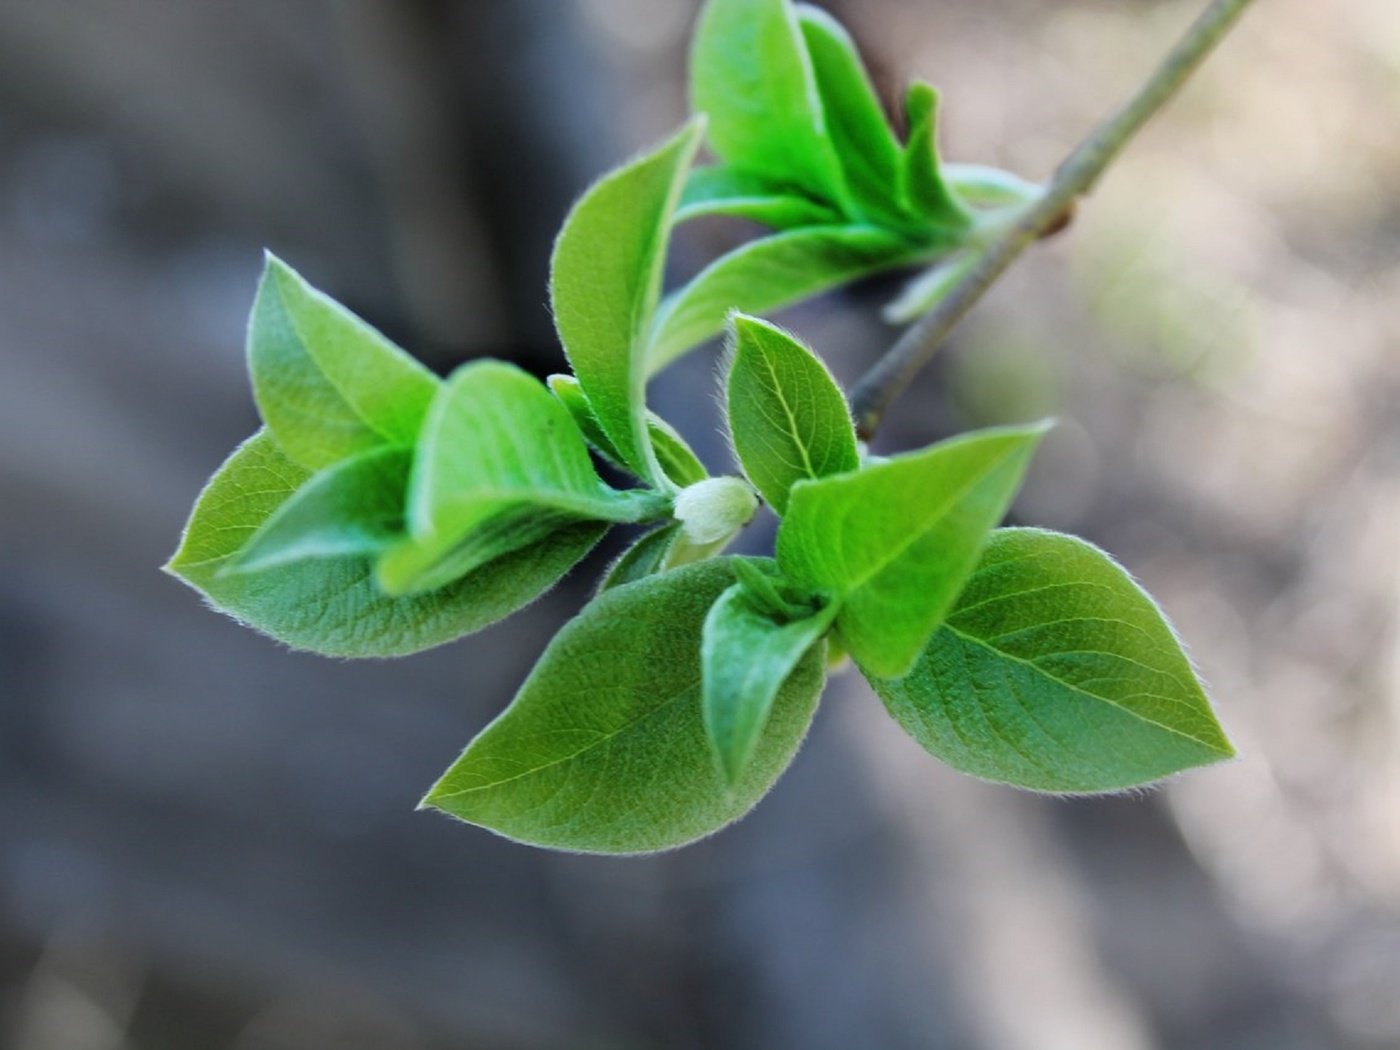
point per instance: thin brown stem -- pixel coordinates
(1079, 173)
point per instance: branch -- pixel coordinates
(1079, 173)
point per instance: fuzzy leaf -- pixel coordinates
(1056, 672)
(603, 750)
(855, 120)
(605, 281)
(327, 384)
(787, 416)
(896, 542)
(979, 186)
(921, 178)
(330, 605)
(677, 459)
(721, 190)
(355, 507)
(746, 656)
(500, 465)
(767, 274)
(646, 556)
(751, 74)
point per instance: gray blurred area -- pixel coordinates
(208, 842)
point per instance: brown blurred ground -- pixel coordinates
(208, 842)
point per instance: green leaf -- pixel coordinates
(331, 605)
(722, 190)
(929, 288)
(647, 556)
(354, 507)
(500, 465)
(787, 416)
(1056, 672)
(605, 281)
(896, 542)
(746, 656)
(751, 74)
(327, 384)
(604, 750)
(979, 186)
(767, 274)
(922, 180)
(677, 459)
(855, 120)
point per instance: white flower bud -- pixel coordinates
(714, 509)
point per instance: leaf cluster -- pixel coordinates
(381, 510)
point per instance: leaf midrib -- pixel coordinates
(980, 643)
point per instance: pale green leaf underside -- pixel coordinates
(768, 274)
(751, 74)
(746, 656)
(1056, 672)
(787, 416)
(721, 190)
(327, 384)
(352, 508)
(605, 281)
(331, 605)
(603, 750)
(500, 465)
(895, 542)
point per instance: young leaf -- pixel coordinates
(605, 281)
(769, 273)
(327, 384)
(746, 656)
(603, 750)
(751, 74)
(921, 180)
(648, 555)
(896, 542)
(1056, 672)
(354, 507)
(500, 465)
(979, 186)
(330, 605)
(722, 190)
(928, 289)
(677, 459)
(787, 416)
(855, 120)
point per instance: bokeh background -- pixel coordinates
(209, 842)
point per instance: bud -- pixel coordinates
(713, 510)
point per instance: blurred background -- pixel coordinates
(209, 842)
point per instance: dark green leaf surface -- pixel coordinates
(605, 281)
(331, 605)
(896, 542)
(604, 750)
(751, 74)
(921, 176)
(721, 190)
(855, 120)
(500, 465)
(327, 384)
(746, 656)
(353, 508)
(787, 416)
(1056, 672)
(767, 274)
